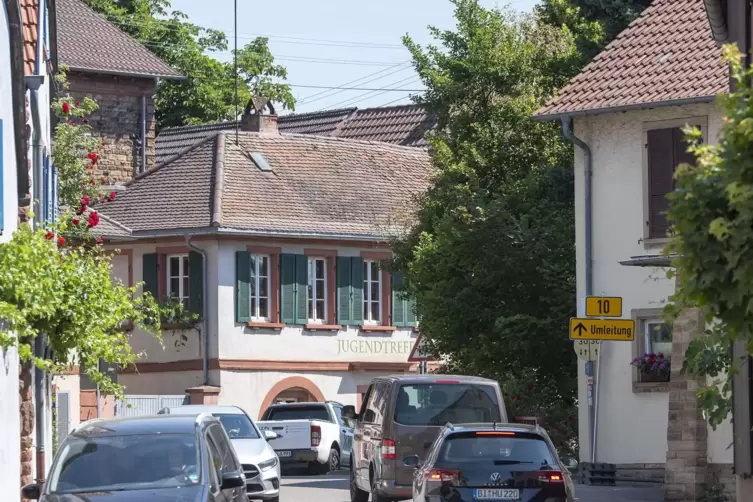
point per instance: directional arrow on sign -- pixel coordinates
(579, 328)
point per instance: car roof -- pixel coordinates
(304, 403)
(152, 424)
(433, 378)
(195, 409)
(491, 426)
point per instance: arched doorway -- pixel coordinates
(292, 389)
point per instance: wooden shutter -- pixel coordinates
(661, 168)
(150, 273)
(196, 283)
(287, 288)
(343, 290)
(301, 289)
(398, 302)
(356, 288)
(242, 286)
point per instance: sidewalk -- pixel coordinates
(584, 493)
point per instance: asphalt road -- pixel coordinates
(334, 488)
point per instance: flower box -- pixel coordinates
(652, 367)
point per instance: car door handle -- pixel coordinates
(345, 431)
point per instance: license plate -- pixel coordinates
(496, 494)
(284, 453)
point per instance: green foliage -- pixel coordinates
(177, 318)
(490, 259)
(208, 95)
(711, 212)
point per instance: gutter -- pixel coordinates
(143, 133)
(117, 73)
(624, 108)
(192, 231)
(19, 96)
(716, 12)
(40, 408)
(204, 307)
(567, 131)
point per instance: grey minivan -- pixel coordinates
(401, 416)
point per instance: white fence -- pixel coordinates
(137, 406)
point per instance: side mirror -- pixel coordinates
(570, 463)
(411, 461)
(349, 412)
(270, 435)
(31, 491)
(232, 480)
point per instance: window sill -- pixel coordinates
(265, 325)
(650, 387)
(654, 242)
(377, 327)
(322, 327)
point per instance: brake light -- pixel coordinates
(443, 476)
(550, 477)
(316, 435)
(495, 433)
(446, 381)
(388, 450)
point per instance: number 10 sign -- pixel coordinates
(603, 306)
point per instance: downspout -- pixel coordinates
(40, 408)
(567, 131)
(204, 307)
(143, 133)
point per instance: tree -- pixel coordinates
(209, 93)
(490, 259)
(711, 212)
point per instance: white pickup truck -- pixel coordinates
(310, 434)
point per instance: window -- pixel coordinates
(377, 403)
(437, 404)
(297, 412)
(221, 441)
(524, 451)
(177, 277)
(317, 290)
(372, 292)
(260, 284)
(652, 351)
(665, 150)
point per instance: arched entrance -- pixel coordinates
(292, 389)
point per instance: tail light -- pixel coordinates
(388, 450)
(443, 476)
(495, 433)
(550, 477)
(316, 435)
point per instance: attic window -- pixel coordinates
(260, 162)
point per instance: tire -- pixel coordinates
(333, 463)
(356, 494)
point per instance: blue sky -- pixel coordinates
(336, 43)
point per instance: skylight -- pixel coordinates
(260, 162)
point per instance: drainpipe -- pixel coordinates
(40, 408)
(143, 133)
(593, 409)
(205, 308)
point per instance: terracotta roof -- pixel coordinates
(29, 21)
(88, 42)
(666, 56)
(319, 186)
(402, 125)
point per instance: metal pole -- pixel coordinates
(235, 64)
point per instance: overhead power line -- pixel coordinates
(327, 94)
(386, 89)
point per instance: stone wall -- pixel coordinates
(117, 122)
(26, 412)
(640, 473)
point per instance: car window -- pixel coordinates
(365, 401)
(525, 450)
(222, 442)
(338, 411)
(377, 404)
(440, 403)
(305, 412)
(238, 426)
(98, 462)
(214, 459)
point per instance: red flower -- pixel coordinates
(516, 398)
(78, 103)
(66, 108)
(49, 235)
(660, 355)
(86, 121)
(101, 240)
(93, 157)
(80, 211)
(91, 180)
(61, 241)
(85, 200)
(76, 222)
(112, 195)
(93, 219)
(530, 386)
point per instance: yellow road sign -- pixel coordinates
(603, 306)
(587, 350)
(602, 329)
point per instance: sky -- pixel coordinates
(337, 43)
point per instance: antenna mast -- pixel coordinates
(235, 64)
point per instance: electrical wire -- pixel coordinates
(368, 95)
(327, 94)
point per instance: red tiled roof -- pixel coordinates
(29, 20)
(666, 55)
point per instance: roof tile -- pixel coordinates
(666, 54)
(89, 42)
(29, 20)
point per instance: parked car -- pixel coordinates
(470, 463)
(258, 459)
(154, 459)
(313, 434)
(401, 416)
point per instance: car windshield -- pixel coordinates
(438, 404)
(297, 413)
(238, 426)
(119, 463)
(526, 450)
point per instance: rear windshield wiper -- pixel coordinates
(510, 462)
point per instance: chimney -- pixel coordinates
(255, 121)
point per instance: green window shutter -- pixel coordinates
(242, 286)
(301, 292)
(356, 289)
(398, 303)
(343, 290)
(196, 283)
(287, 288)
(150, 275)
(410, 312)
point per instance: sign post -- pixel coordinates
(419, 355)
